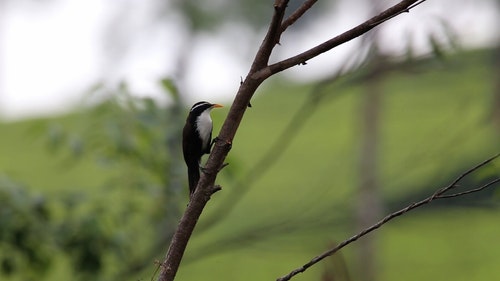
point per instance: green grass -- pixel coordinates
(26, 157)
(450, 244)
(433, 124)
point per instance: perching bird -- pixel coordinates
(196, 139)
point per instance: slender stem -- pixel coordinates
(435, 195)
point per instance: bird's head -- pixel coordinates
(200, 112)
(199, 107)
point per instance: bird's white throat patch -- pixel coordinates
(204, 127)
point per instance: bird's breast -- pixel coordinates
(204, 128)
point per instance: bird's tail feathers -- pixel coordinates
(193, 177)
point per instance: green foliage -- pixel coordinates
(23, 220)
(122, 135)
(208, 15)
(113, 182)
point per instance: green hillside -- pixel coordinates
(434, 124)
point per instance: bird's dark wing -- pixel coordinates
(191, 148)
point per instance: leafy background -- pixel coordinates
(95, 194)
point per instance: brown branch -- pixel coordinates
(302, 58)
(272, 37)
(297, 14)
(438, 194)
(469, 191)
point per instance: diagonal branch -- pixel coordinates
(297, 14)
(438, 194)
(302, 58)
(272, 37)
(469, 191)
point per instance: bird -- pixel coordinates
(197, 139)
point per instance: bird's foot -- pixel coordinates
(203, 169)
(216, 139)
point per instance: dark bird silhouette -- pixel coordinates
(197, 139)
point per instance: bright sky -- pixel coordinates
(51, 52)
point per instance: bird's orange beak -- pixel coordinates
(217, 105)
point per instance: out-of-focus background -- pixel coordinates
(94, 94)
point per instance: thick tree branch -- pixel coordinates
(439, 194)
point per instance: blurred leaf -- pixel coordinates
(55, 136)
(25, 237)
(169, 86)
(209, 15)
(450, 35)
(437, 47)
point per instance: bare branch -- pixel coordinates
(438, 194)
(297, 14)
(407, 10)
(470, 191)
(272, 37)
(302, 58)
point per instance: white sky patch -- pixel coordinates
(214, 72)
(48, 56)
(52, 52)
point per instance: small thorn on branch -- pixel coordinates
(223, 166)
(210, 191)
(216, 188)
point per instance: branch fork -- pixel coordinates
(259, 72)
(439, 194)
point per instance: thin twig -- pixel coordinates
(407, 10)
(297, 14)
(469, 191)
(391, 216)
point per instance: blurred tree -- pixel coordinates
(141, 138)
(25, 239)
(496, 71)
(2, 28)
(369, 205)
(122, 133)
(378, 66)
(496, 88)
